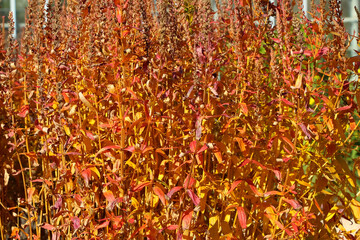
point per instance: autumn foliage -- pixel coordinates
(130, 119)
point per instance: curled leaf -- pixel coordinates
(140, 186)
(194, 197)
(86, 102)
(173, 190)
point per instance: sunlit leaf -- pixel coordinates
(186, 219)
(160, 194)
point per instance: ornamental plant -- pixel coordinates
(179, 119)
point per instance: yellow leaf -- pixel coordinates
(331, 214)
(227, 218)
(301, 182)
(92, 121)
(131, 164)
(213, 220)
(135, 203)
(298, 82)
(111, 88)
(326, 192)
(155, 200)
(72, 110)
(355, 207)
(96, 171)
(312, 101)
(67, 130)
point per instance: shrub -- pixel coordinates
(134, 119)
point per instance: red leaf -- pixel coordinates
(287, 102)
(103, 225)
(173, 190)
(130, 149)
(254, 189)
(55, 235)
(241, 216)
(289, 142)
(48, 227)
(203, 148)
(194, 198)
(78, 199)
(90, 135)
(86, 175)
(58, 203)
(38, 180)
(107, 148)
(145, 148)
(160, 194)
(245, 162)
(277, 174)
(276, 40)
(118, 15)
(307, 53)
(172, 227)
(305, 130)
(186, 220)
(189, 182)
(259, 164)
(24, 111)
(293, 203)
(234, 185)
(344, 108)
(137, 231)
(111, 200)
(140, 186)
(76, 222)
(272, 193)
(193, 146)
(323, 51)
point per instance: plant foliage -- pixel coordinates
(130, 119)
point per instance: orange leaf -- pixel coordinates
(160, 194)
(193, 146)
(103, 225)
(218, 156)
(109, 196)
(244, 108)
(289, 142)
